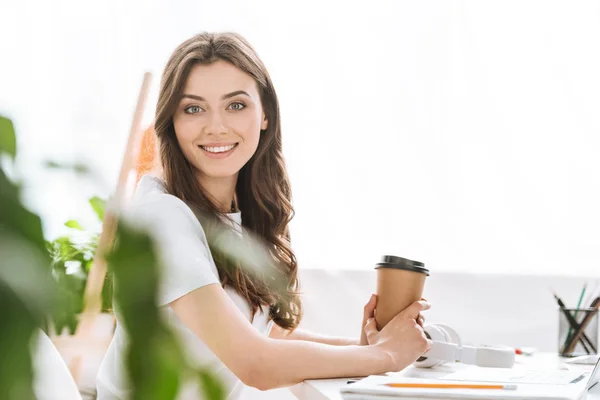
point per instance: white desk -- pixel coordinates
(328, 389)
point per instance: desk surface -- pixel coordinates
(328, 389)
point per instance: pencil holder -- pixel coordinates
(577, 331)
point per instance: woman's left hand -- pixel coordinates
(421, 318)
(368, 312)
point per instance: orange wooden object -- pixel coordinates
(84, 350)
(146, 160)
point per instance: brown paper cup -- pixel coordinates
(400, 283)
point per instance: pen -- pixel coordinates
(352, 380)
(571, 328)
(526, 351)
(569, 346)
(575, 325)
(417, 385)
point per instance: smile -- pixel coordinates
(218, 151)
(221, 149)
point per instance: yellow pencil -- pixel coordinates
(449, 386)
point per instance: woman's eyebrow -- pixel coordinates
(224, 97)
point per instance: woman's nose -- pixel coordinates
(216, 124)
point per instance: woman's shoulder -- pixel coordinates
(151, 189)
(152, 203)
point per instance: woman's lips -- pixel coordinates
(218, 155)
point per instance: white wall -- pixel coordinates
(484, 308)
(441, 131)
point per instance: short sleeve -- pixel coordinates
(181, 245)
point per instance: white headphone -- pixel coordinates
(447, 347)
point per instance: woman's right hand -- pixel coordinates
(402, 339)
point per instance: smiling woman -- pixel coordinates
(222, 185)
(210, 125)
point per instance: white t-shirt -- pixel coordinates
(187, 265)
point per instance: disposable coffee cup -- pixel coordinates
(400, 283)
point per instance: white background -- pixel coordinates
(463, 134)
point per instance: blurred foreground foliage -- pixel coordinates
(72, 258)
(26, 288)
(30, 293)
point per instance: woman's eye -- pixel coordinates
(237, 106)
(192, 109)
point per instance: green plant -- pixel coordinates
(72, 257)
(28, 295)
(155, 361)
(26, 291)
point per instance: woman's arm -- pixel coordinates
(278, 332)
(267, 363)
(301, 334)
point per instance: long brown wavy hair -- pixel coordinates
(263, 189)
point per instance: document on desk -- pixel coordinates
(503, 375)
(381, 387)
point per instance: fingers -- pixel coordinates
(369, 310)
(421, 320)
(429, 344)
(426, 343)
(413, 311)
(371, 326)
(371, 330)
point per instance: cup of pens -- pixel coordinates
(578, 329)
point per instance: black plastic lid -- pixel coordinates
(402, 263)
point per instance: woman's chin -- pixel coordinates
(219, 174)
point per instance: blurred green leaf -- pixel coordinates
(52, 164)
(153, 357)
(8, 190)
(66, 252)
(81, 169)
(210, 386)
(99, 205)
(63, 250)
(26, 288)
(36, 275)
(25, 261)
(155, 362)
(22, 244)
(16, 370)
(70, 288)
(73, 224)
(71, 282)
(107, 291)
(8, 139)
(78, 168)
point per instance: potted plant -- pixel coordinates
(72, 256)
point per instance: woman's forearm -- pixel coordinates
(303, 334)
(288, 362)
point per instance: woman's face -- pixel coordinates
(219, 119)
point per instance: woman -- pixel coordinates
(218, 129)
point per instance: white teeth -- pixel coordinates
(218, 149)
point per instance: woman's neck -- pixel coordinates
(221, 192)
